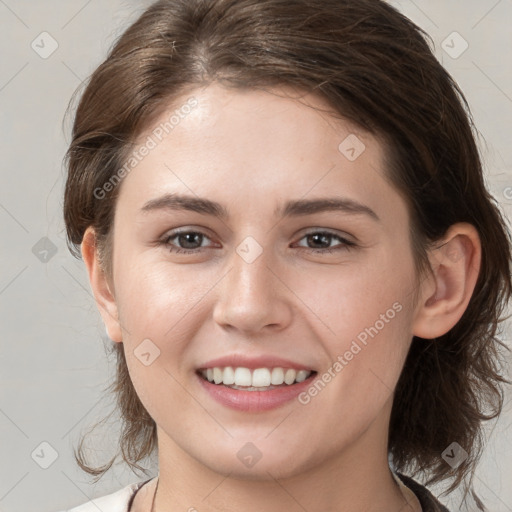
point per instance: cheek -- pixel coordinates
(366, 355)
(351, 299)
(158, 310)
(366, 325)
(155, 298)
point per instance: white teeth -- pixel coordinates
(277, 376)
(217, 375)
(289, 376)
(302, 375)
(258, 378)
(261, 378)
(243, 377)
(228, 377)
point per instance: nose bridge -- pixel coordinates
(250, 274)
(251, 296)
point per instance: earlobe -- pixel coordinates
(445, 295)
(100, 286)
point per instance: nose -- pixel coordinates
(253, 296)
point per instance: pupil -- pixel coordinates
(316, 237)
(186, 237)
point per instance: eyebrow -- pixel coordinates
(294, 208)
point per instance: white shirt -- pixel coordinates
(118, 501)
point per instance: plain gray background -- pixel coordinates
(53, 364)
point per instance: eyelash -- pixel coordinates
(346, 245)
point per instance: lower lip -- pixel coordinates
(255, 401)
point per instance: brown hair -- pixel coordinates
(375, 68)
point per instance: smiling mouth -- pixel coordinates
(259, 379)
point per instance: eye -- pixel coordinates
(324, 238)
(190, 242)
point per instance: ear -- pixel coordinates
(445, 295)
(101, 288)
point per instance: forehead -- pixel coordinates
(279, 117)
(255, 145)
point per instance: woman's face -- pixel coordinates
(279, 280)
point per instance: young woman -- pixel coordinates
(282, 213)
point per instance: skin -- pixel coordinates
(251, 151)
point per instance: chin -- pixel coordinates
(252, 461)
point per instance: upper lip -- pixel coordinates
(263, 361)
